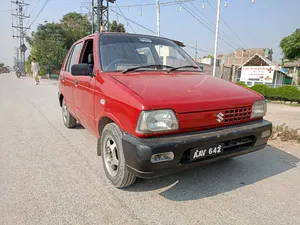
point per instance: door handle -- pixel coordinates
(76, 83)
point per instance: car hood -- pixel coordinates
(189, 92)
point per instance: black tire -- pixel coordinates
(122, 177)
(68, 119)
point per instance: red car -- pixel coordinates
(153, 110)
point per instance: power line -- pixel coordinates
(202, 50)
(39, 12)
(203, 23)
(221, 31)
(34, 7)
(153, 32)
(28, 6)
(125, 18)
(169, 3)
(227, 25)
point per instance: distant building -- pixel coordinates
(208, 61)
(260, 70)
(240, 56)
(293, 69)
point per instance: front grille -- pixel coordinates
(237, 115)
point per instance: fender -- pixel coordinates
(111, 117)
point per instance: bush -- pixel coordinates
(242, 83)
(289, 93)
(262, 89)
(284, 93)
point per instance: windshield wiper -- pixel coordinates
(181, 67)
(146, 66)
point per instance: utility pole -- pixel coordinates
(196, 51)
(217, 37)
(93, 16)
(158, 17)
(102, 13)
(20, 16)
(17, 63)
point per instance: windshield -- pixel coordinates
(122, 52)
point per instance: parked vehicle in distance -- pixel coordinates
(153, 110)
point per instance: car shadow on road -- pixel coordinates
(220, 177)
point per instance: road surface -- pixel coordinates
(51, 175)
(284, 114)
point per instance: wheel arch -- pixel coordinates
(103, 121)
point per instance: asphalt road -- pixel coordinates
(51, 175)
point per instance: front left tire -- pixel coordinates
(113, 157)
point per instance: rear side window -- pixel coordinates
(74, 56)
(67, 61)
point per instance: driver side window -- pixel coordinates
(88, 54)
(75, 55)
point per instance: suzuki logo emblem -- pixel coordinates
(220, 117)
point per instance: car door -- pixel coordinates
(68, 80)
(84, 89)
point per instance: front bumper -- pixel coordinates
(138, 151)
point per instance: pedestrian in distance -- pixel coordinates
(35, 68)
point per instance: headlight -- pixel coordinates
(259, 109)
(157, 121)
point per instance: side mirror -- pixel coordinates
(82, 69)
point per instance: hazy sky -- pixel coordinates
(262, 24)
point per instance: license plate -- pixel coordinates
(198, 153)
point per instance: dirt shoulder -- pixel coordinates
(280, 113)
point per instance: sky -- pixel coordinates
(259, 25)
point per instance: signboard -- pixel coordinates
(262, 74)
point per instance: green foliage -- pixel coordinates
(290, 45)
(209, 56)
(284, 93)
(117, 27)
(51, 41)
(262, 89)
(242, 83)
(1, 64)
(289, 93)
(75, 27)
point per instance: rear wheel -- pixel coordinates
(68, 119)
(113, 157)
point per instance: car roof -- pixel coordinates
(181, 44)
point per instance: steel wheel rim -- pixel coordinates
(64, 112)
(111, 157)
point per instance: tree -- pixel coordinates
(51, 41)
(48, 46)
(290, 46)
(117, 27)
(1, 64)
(76, 26)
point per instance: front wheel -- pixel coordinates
(113, 157)
(68, 119)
